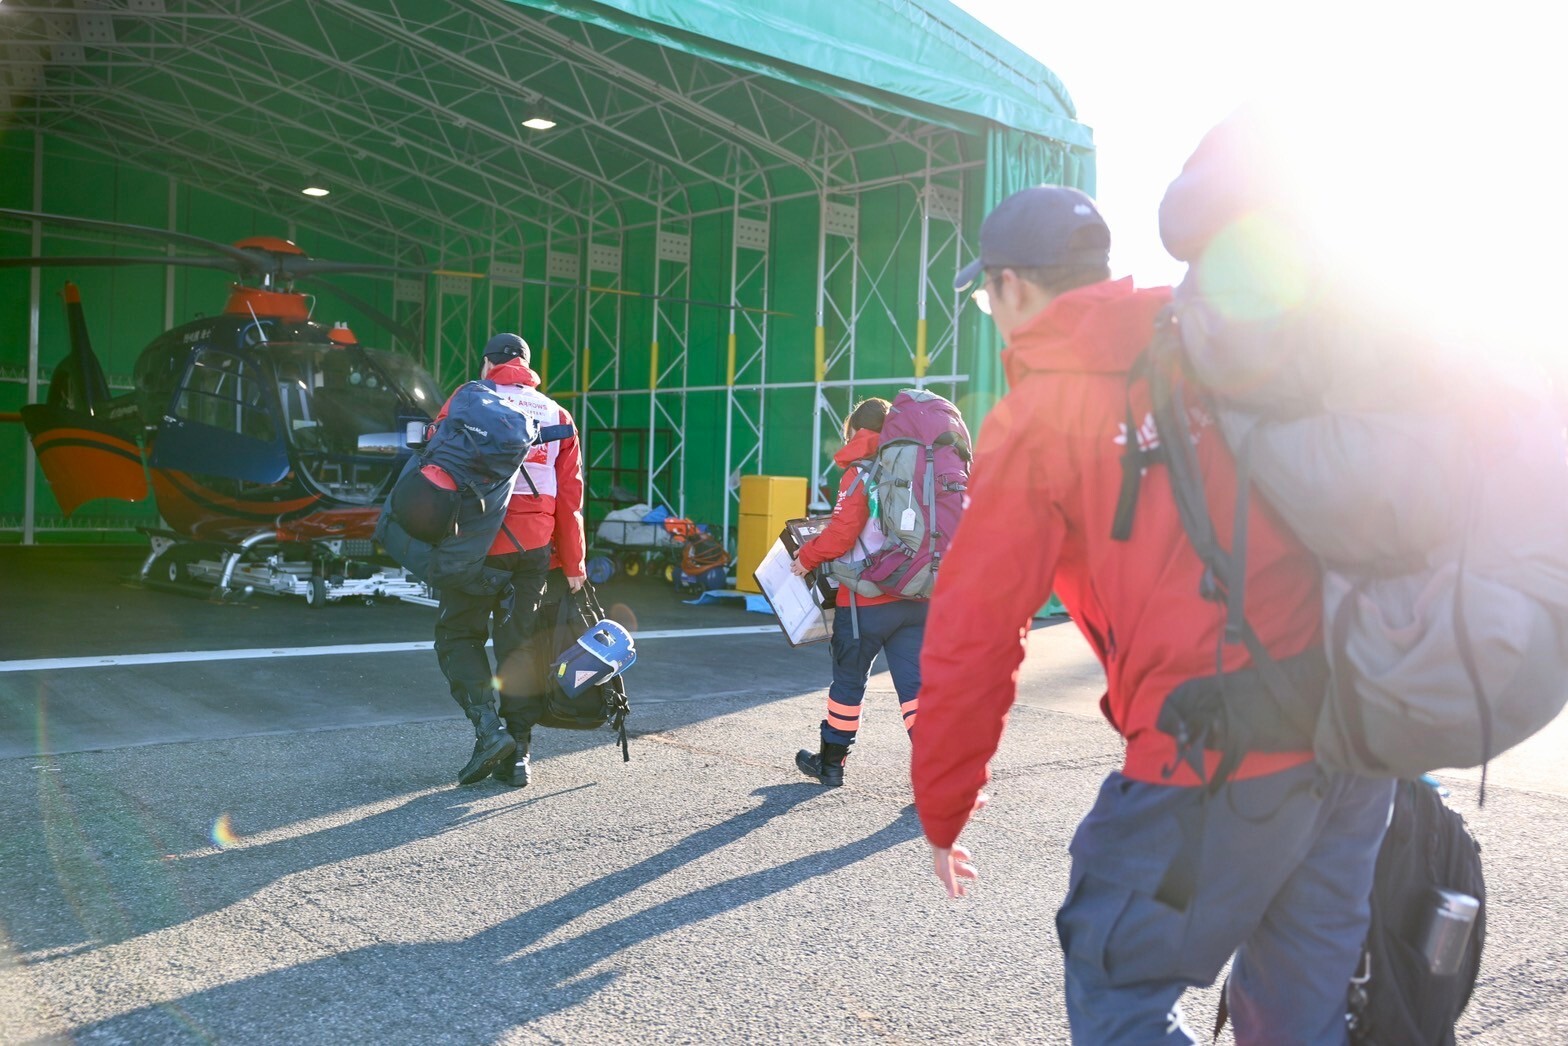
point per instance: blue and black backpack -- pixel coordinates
(443, 536)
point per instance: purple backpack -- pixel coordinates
(916, 484)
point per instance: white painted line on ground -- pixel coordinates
(51, 664)
(695, 633)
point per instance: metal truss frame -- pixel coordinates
(412, 110)
(603, 387)
(668, 359)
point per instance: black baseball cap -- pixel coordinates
(1038, 227)
(505, 347)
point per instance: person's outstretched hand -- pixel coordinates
(953, 865)
(955, 868)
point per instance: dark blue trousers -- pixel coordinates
(897, 628)
(1284, 881)
(465, 622)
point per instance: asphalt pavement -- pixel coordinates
(268, 848)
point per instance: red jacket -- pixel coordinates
(555, 516)
(850, 515)
(1043, 493)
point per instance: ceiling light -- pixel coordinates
(537, 116)
(315, 190)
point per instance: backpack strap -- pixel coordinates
(510, 536)
(588, 611)
(1135, 458)
(930, 495)
(860, 477)
(861, 468)
(1224, 575)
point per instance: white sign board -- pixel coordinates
(793, 601)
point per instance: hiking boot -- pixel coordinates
(492, 744)
(514, 771)
(826, 765)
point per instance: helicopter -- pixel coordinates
(268, 440)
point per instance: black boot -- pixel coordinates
(826, 765)
(514, 771)
(492, 744)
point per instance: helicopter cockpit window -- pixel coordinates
(343, 409)
(222, 393)
(417, 384)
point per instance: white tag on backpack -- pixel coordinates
(906, 521)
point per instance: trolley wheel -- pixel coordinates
(631, 565)
(178, 571)
(600, 569)
(316, 594)
(669, 572)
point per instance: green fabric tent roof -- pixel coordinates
(911, 57)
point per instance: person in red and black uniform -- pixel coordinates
(544, 523)
(1281, 860)
(888, 624)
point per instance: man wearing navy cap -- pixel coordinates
(543, 528)
(1168, 879)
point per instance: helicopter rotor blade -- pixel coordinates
(398, 330)
(100, 261)
(245, 260)
(255, 262)
(292, 268)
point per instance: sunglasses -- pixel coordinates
(981, 295)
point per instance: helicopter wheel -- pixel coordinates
(177, 564)
(316, 594)
(631, 565)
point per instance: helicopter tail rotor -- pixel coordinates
(78, 382)
(84, 437)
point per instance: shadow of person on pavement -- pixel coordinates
(98, 855)
(477, 988)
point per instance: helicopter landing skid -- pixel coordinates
(260, 564)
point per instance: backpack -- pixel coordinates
(1433, 489)
(1394, 997)
(916, 484)
(482, 440)
(1443, 540)
(443, 536)
(596, 706)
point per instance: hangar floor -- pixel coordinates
(208, 847)
(177, 667)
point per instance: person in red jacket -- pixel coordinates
(885, 623)
(544, 521)
(1166, 884)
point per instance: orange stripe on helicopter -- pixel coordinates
(188, 513)
(104, 440)
(89, 466)
(183, 483)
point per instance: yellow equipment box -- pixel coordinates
(766, 504)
